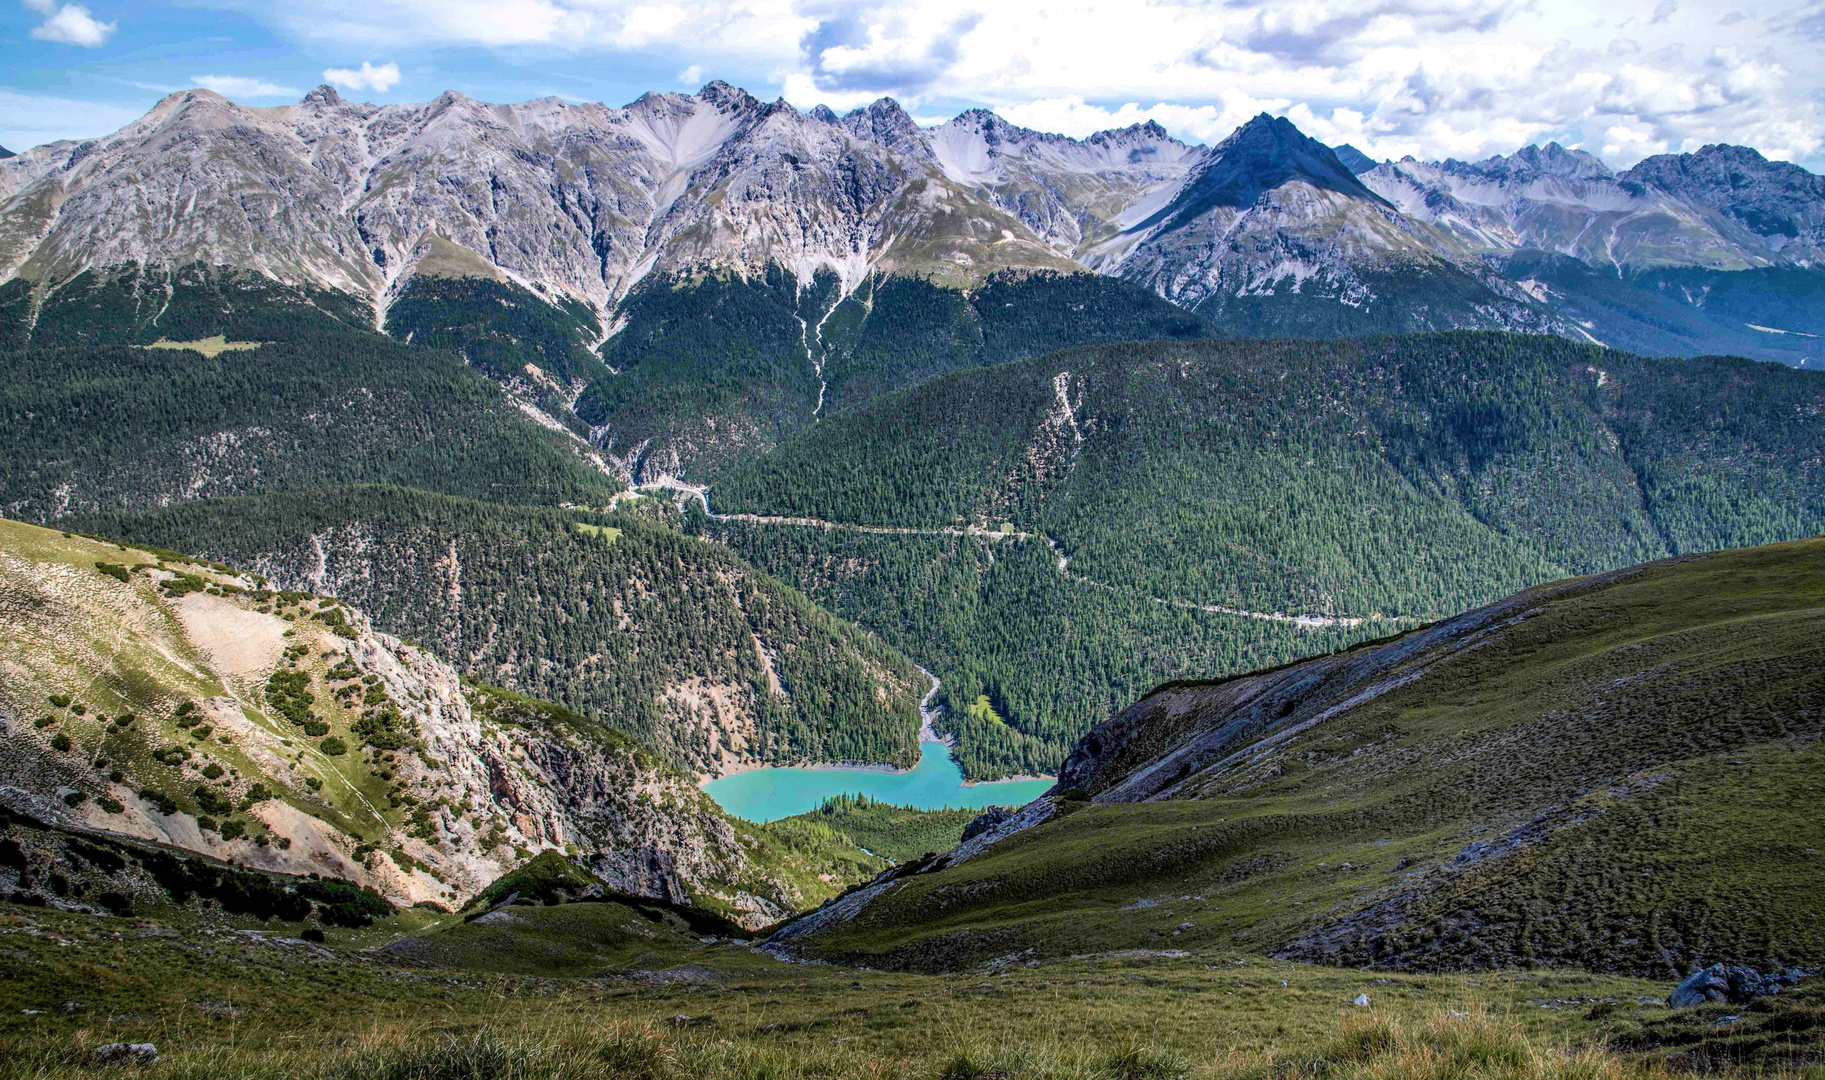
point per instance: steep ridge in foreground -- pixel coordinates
(145, 695)
(1614, 772)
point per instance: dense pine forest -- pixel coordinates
(122, 427)
(1408, 476)
(1028, 658)
(1387, 480)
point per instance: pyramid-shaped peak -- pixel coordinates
(1260, 156)
(324, 96)
(1353, 159)
(823, 114)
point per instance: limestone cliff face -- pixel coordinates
(577, 201)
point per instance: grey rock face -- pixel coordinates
(1777, 201)
(569, 200)
(1353, 159)
(1724, 208)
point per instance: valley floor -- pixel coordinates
(594, 990)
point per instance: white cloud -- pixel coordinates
(28, 120)
(70, 24)
(367, 77)
(239, 86)
(691, 76)
(1463, 78)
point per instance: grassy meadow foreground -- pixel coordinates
(603, 990)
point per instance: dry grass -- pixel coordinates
(1467, 1044)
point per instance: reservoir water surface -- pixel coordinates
(937, 783)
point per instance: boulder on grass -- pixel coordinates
(1734, 983)
(126, 1054)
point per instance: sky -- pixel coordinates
(1432, 78)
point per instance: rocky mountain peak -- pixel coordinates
(1266, 153)
(324, 96)
(886, 123)
(5, 153)
(1353, 159)
(1149, 132)
(1556, 160)
(727, 98)
(1532, 162)
(823, 114)
(1777, 200)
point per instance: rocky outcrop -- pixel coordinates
(983, 822)
(1733, 983)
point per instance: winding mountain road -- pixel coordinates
(1063, 561)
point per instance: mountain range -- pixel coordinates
(557, 245)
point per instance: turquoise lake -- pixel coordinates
(769, 794)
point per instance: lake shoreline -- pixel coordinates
(949, 743)
(763, 793)
(768, 793)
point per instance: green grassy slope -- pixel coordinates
(1613, 773)
(1393, 477)
(607, 990)
(674, 640)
